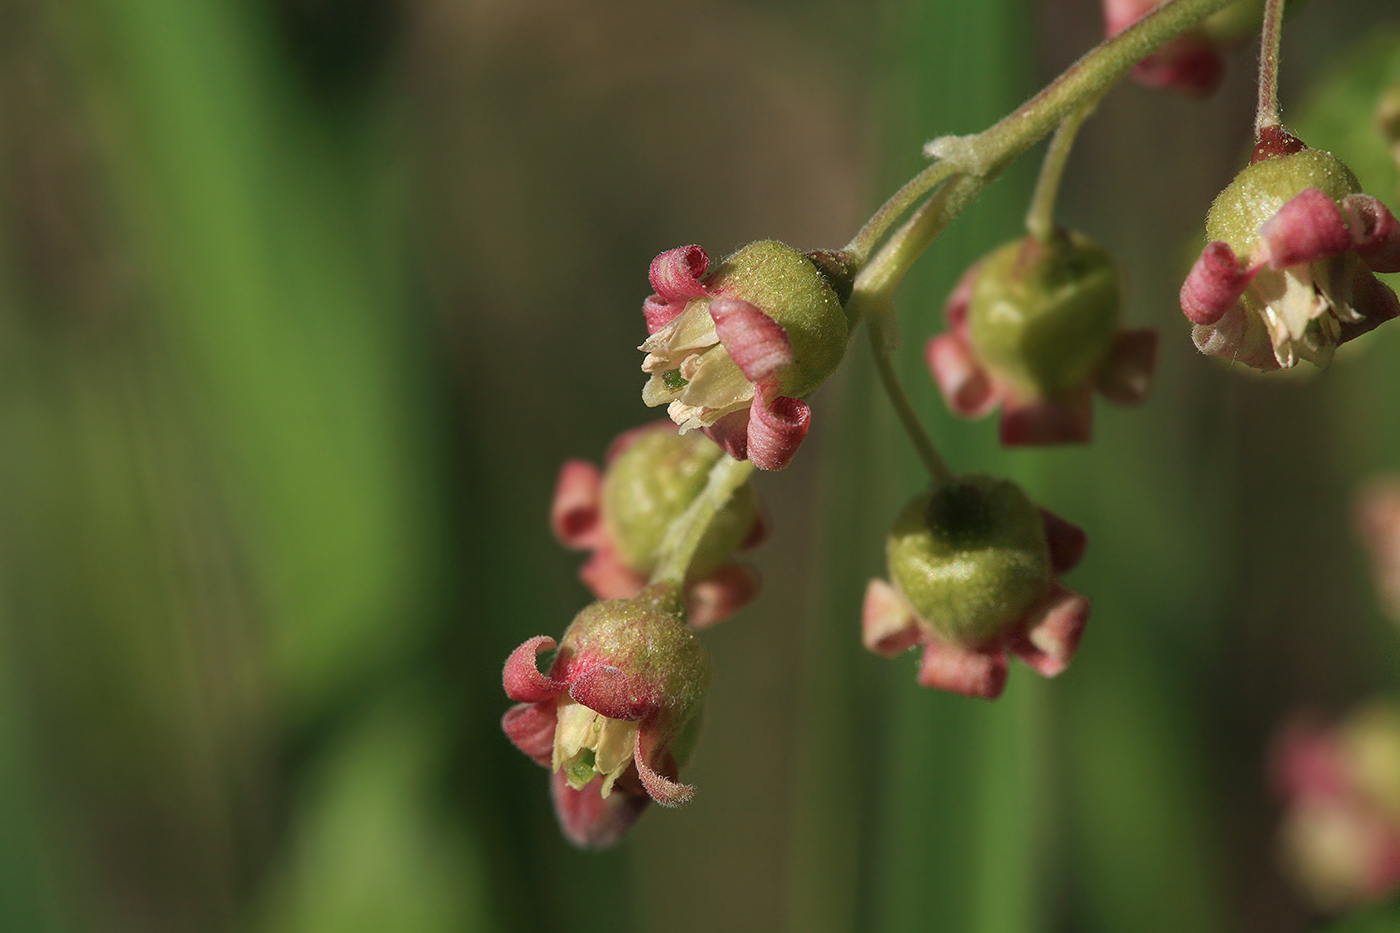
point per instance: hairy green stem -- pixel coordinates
(1271, 36)
(933, 461)
(686, 532)
(1040, 219)
(972, 162)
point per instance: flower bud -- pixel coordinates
(974, 566)
(971, 557)
(734, 350)
(1034, 327)
(1289, 272)
(624, 513)
(627, 681)
(1043, 316)
(652, 482)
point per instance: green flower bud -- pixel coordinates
(971, 558)
(1043, 316)
(655, 479)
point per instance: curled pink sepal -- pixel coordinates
(888, 624)
(721, 594)
(980, 674)
(1052, 634)
(965, 385)
(768, 432)
(589, 820)
(675, 276)
(574, 514)
(1214, 284)
(777, 425)
(1375, 231)
(1308, 228)
(530, 727)
(663, 789)
(1067, 542)
(522, 678)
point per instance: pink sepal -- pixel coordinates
(731, 433)
(1375, 301)
(777, 425)
(575, 514)
(1067, 542)
(1053, 633)
(675, 275)
(887, 621)
(522, 678)
(758, 531)
(1378, 233)
(1214, 285)
(1188, 64)
(607, 689)
(587, 819)
(1065, 419)
(963, 670)
(607, 577)
(530, 727)
(1126, 376)
(663, 790)
(721, 594)
(966, 386)
(756, 343)
(1309, 227)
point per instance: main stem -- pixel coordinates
(1270, 38)
(685, 534)
(969, 163)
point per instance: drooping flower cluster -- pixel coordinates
(973, 568)
(735, 350)
(1341, 791)
(1289, 272)
(1033, 328)
(622, 514)
(615, 715)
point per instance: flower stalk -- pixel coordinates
(1271, 37)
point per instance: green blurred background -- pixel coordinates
(302, 304)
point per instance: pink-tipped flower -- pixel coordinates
(1033, 328)
(1378, 523)
(735, 350)
(622, 514)
(1191, 63)
(973, 568)
(1341, 791)
(1289, 272)
(616, 713)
